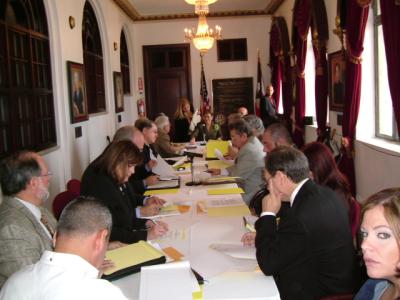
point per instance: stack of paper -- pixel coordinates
(226, 208)
(163, 169)
(170, 281)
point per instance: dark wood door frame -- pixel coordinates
(154, 75)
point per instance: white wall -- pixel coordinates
(254, 28)
(72, 155)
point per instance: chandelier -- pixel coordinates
(203, 38)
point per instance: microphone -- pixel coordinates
(192, 154)
(204, 132)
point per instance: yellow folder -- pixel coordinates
(132, 255)
(222, 146)
(225, 191)
(228, 211)
(160, 192)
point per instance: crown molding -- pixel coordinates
(127, 7)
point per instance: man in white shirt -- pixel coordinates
(26, 227)
(72, 270)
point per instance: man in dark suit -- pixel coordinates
(309, 250)
(268, 107)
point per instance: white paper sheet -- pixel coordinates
(163, 169)
(236, 250)
(173, 279)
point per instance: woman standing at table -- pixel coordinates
(106, 178)
(380, 233)
(182, 119)
(207, 129)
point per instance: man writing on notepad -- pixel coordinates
(72, 270)
(249, 163)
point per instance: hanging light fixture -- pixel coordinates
(203, 38)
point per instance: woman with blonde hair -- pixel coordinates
(380, 234)
(182, 119)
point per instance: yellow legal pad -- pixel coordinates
(225, 191)
(218, 164)
(222, 146)
(132, 255)
(228, 211)
(160, 192)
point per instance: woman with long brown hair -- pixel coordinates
(324, 171)
(182, 119)
(380, 235)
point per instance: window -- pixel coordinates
(93, 61)
(385, 123)
(232, 50)
(26, 97)
(309, 69)
(124, 59)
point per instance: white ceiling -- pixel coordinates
(165, 7)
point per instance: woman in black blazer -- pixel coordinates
(106, 178)
(182, 119)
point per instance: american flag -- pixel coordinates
(260, 92)
(205, 102)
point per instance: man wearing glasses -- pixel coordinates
(26, 227)
(310, 251)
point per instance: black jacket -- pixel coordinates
(121, 200)
(310, 252)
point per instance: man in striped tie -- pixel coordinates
(26, 227)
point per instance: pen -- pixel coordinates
(248, 226)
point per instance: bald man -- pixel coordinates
(72, 270)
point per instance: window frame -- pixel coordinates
(28, 109)
(394, 137)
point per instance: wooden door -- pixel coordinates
(167, 78)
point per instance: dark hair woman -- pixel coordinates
(325, 172)
(106, 178)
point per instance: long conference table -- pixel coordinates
(192, 233)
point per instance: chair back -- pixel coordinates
(60, 201)
(74, 186)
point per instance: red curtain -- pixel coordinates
(390, 16)
(301, 26)
(321, 84)
(357, 16)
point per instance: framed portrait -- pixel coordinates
(77, 92)
(337, 74)
(118, 92)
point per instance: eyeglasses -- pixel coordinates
(48, 174)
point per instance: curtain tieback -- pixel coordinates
(300, 74)
(355, 59)
(363, 3)
(347, 146)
